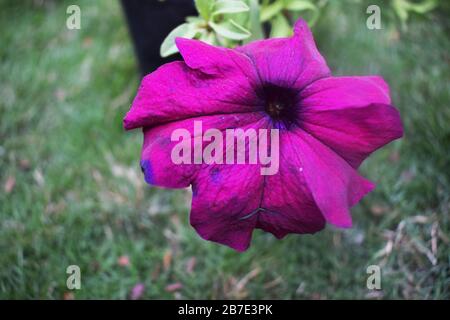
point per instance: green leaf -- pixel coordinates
(280, 27)
(315, 16)
(229, 6)
(268, 12)
(255, 25)
(400, 8)
(300, 5)
(423, 7)
(204, 8)
(209, 38)
(185, 30)
(195, 19)
(230, 30)
(403, 7)
(304, 5)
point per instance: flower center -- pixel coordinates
(275, 109)
(280, 103)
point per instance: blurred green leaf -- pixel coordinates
(280, 27)
(300, 5)
(185, 30)
(196, 20)
(230, 30)
(402, 8)
(209, 38)
(423, 7)
(305, 5)
(255, 24)
(229, 6)
(268, 12)
(204, 8)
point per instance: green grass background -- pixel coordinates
(79, 197)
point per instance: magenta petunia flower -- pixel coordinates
(327, 127)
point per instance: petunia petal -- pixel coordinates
(291, 62)
(226, 199)
(156, 158)
(343, 92)
(214, 60)
(351, 115)
(175, 92)
(334, 184)
(288, 202)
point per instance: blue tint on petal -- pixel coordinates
(146, 168)
(215, 175)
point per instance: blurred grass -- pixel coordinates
(72, 192)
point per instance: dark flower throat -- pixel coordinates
(280, 104)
